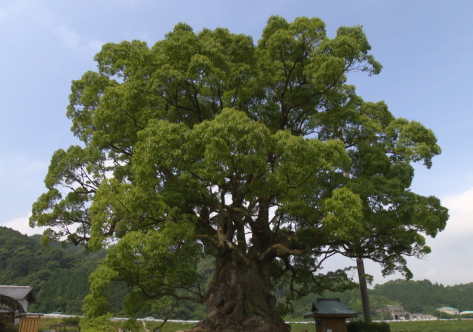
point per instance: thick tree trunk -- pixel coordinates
(240, 300)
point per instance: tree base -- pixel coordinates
(241, 301)
(253, 324)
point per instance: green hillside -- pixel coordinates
(425, 296)
(59, 277)
(420, 296)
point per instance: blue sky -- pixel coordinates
(426, 48)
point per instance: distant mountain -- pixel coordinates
(420, 296)
(59, 276)
(425, 296)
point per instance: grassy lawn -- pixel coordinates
(172, 327)
(433, 326)
(426, 326)
(45, 322)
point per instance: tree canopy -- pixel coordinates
(260, 155)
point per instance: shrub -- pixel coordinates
(360, 326)
(70, 320)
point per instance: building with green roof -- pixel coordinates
(330, 315)
(449, 310)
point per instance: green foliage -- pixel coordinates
(98, 324)
(20, 256)
(360, 326)
(64, 288)
(58, 278)
(131, 325)
(70, 320)
(162, 263)
(259, 154)
(425, 296)
(420, 296)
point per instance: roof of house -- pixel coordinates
(447, 308)
(330, 307)
(18, 293)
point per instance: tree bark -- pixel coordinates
(240, 300)
(364, 290)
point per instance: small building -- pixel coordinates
(14, 300)
(449, 310)
(422, 317)
(467, 313)
(22, 295)
(330, 315)
(396, 312)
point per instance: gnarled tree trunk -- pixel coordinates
(240, 300)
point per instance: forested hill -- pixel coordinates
(425, 296)
(420, 296)
(59, 277)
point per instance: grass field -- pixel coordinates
(452, 325)
(426, 326)
(172, 327)
(45, 322)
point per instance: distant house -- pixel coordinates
(449, 310)
(14, 300)
(396, 312)
(422, 317)
(330, 315)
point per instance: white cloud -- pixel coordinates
(461, 213)
(22, 225)
(75, 42)
(3, 14)
(448, 263)
(20, 165)
(11, 9)
(43, 15)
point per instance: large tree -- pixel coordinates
(261, 156)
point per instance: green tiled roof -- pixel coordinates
(329, 307)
